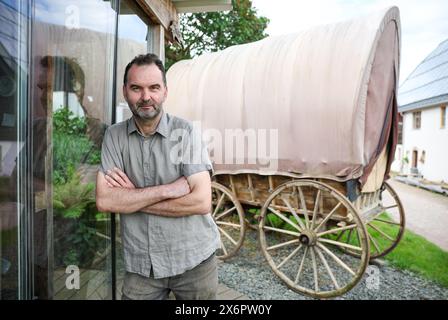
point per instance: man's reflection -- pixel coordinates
(41, 172)
(36, 142)
(35, 164)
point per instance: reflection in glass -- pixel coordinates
(72, 51)
(13, 74)
(55, 106)
(133, 38)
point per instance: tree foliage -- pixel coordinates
(213, 31)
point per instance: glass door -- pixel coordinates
(61, 71)
(15, 182)
(133, 38)
(72, 49)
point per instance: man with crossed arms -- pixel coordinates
(169, 237)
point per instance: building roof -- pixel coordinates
(202, 5)
(427, 85)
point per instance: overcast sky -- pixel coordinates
(424, 23)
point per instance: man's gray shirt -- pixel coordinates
(170, 245)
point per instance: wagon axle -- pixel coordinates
(308, 238)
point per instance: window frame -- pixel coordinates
(416, 120)
(442, 117)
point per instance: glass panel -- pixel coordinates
(13, 159)
(133, 35)
(73, 57)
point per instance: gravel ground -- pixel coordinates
(249, 273)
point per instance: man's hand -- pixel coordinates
(198, 201)
(179, 188)
(116, 178)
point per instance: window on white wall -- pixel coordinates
(400, 130)
(423, 156)
(417, 119)
(442, 117)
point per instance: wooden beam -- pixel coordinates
(157, 43)
(159, 11)
(202, 5)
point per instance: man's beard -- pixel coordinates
(148, 114)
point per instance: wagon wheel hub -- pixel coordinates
(308, 238)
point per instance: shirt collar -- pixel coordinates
(162, 128)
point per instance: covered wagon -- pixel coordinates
(317, 115)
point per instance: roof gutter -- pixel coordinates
(424, 104)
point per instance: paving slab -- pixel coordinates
(426, 212)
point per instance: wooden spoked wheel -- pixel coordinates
(229, 217)
(385, 230)
(302, 248)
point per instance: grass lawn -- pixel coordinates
(413, 253)
(417, 254)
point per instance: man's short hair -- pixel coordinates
(145, 59)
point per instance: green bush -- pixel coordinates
(69, 152)
(75, 213)
(76, 220)
(65, 122)
(289, 227)
(274, 221)
(252, 215)
(70, 145)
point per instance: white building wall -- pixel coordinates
(397, 163)
(429, 138)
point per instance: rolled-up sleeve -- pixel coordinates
(195, 153)
(110, 152)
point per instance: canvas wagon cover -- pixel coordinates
(330, 92)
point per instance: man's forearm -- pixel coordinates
(191, 204)
(124, 200)
(116, 193)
